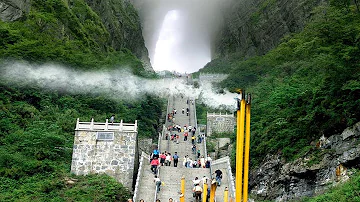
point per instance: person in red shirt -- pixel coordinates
(162, 158)
(154, 164)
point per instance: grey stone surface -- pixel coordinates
(124, 27)
(253, 27)
(113, 157)
(306, 176)
(11, 10)
(219, 123)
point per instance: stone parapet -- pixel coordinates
(224, 165)
(113, 152)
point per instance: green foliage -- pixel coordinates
(36, 142)
(70, 33)
(210, 146)
(37, 126)
(306, 87)
(56, 188)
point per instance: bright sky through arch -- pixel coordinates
(168, 41)
(179, 47)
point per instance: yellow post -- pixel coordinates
(204, 196)
(226, 194)
(213, 190)
(247, 149)
(240, 145)
(182, 199)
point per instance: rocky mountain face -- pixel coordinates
(253, 27)
(11, 10)
(120, 23)
(123, 23)
(329, 163)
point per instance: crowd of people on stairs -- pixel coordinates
(163, 158)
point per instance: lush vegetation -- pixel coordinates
(70, 33)
(37, 125)
(306, 87)
(36, 141)
(61, 187)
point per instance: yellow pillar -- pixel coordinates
(226, 194)
(204, 192)
(240, 146)
(182, 196)
(213, 190)
(247, 149)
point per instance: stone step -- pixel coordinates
(170, 175)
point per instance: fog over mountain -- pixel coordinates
(179, 34)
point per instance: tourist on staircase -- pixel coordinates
(157, 183)
(176, 159)
(154, 165)
(202, 162)
(218, 176)
(208, 161)
(196, 181)
(186, 134)
(162, 158)
(168, 159)
(197, 192)
(156, 152)
(185, 161)
(193, 149)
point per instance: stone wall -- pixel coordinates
(220, 123)
(114, 157)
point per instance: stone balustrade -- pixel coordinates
(99, 126)
(224, 164)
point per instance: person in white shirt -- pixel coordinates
(198, 191)
(168, 159)
(202, 161)
(204, 179)
(157, 183)
(196, 181)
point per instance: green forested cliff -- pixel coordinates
(306, 87)
(37, 124)
(72, 33)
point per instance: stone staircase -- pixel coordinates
(170, 175)
(147, 185)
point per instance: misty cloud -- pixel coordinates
(116, 84)
(194, 30)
